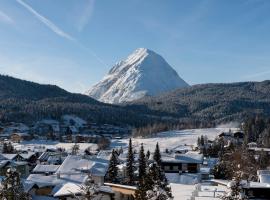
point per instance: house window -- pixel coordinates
(192, 168)
(166, 168)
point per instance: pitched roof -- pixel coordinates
(183, 158)
(46, 168)
(42, 180)
(9, 156)
(76, 189)
(77, 164)
(27, 155)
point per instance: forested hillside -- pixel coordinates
(24, 101)
(211, 102)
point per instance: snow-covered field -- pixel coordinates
(182, 192)
(172, 139)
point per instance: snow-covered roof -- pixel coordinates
(264, 178)
(46, 168)
(77, 164)
(42, 180)
(183, 158)
(9, 156)
(68, 189)
(75, 189)
(27, 155)
(45, 155)
(3, 163)
(121, 186)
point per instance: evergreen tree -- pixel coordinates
(157, 155)
(130, 164)
(142, 163)
(148, 154)
(156, 184)
(236, 191)
(140, 193)
(113, 170)
(12, 188)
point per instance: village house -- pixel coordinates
(83, 165)
(182, 163)
(56, 181)
(71, 191)
(122, 192)
(52, 157)
(18, 137)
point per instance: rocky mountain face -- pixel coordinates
(143, 73)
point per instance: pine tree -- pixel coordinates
(156, 184)
(130, 164)
(113, 170)
(12, 188)
(140, 193)
(157, 155)
(148, 154)
(142, 163)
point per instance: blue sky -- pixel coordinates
(73, 43)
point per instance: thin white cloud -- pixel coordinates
(46, 21)
(5, 18)
(257, 75)
(86, 15)
(59, 31)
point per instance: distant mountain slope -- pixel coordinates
(213, 102)
(24, 101)
(143, 73)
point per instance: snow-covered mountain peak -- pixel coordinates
(142, 73)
